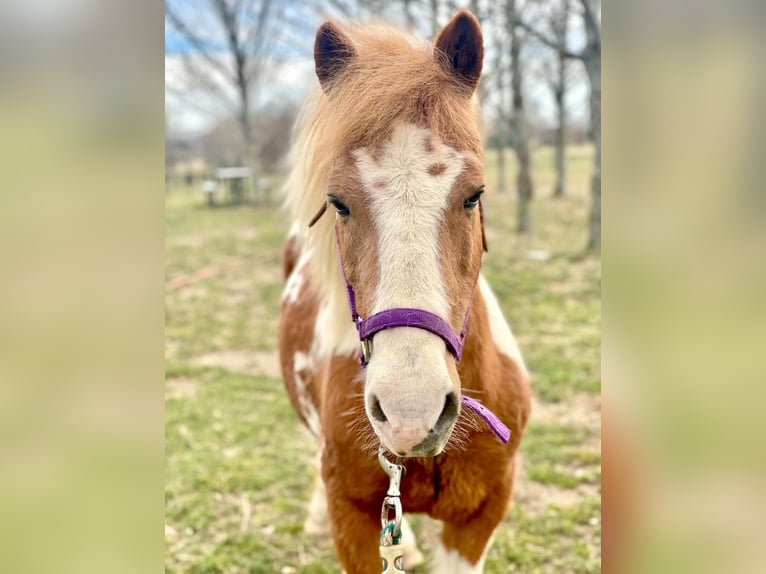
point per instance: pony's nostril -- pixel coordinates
(377, 411)
(449, 412)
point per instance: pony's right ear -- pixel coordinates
(332, 53)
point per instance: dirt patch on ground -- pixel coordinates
(261, 363)
(193, 293)
(535, 497)
(581, 410)
(247, 233)
(181, 388)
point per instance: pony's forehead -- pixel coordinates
(412, 154)
(420, 147)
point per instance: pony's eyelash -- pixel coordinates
(339, 206)
(473, 201)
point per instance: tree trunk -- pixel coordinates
(520, 141)
(501, 170)
(410, 17)
(560, 188)
(593, 68)
(562, 27)
(244, 119)
(247, 133)
(591, 58)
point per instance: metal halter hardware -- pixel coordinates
(391, 548)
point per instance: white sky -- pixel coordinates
(197, 111)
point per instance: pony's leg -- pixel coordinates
(356, 534)
(463, 547)
(317, 522)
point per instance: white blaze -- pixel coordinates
(407, 206)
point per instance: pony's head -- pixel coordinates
(397, 152)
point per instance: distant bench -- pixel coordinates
(235, 179)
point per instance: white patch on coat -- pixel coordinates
(501, 331)
(295, 229)
(334, 335)
(303, 366)
(297, 279)
(451, 562)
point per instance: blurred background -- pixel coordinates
(97, 237)
(239, 465)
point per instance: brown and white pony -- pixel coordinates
(391, 141)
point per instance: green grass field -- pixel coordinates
(238, 464)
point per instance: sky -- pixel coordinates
(191, 112)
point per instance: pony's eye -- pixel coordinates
(473, 201)
(339, 206)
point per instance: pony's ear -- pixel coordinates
(461, 48)
(332, 53)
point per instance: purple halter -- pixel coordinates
(421, 319)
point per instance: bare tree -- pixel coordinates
(498, 78)
(558, 83)
(524, 186)
(590, 56)
(229, 48)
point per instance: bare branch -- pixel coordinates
(197, 43)
(207, 81)
(550, 42)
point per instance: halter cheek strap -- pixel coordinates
(420, 319)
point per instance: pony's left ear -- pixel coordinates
(332, 53)
(462, 43)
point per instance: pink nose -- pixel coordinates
(410, 433)
(402, 440)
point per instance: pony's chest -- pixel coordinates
(451, 491)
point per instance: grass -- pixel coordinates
(238, 464)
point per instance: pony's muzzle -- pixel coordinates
(415, 430)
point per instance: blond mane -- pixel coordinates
(393, 78)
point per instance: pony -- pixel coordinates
(389, 145)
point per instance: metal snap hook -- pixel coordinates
(392, 503)
(366, 350)
(394, 472)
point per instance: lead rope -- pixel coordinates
(391, 547)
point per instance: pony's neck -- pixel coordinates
(488, 336)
